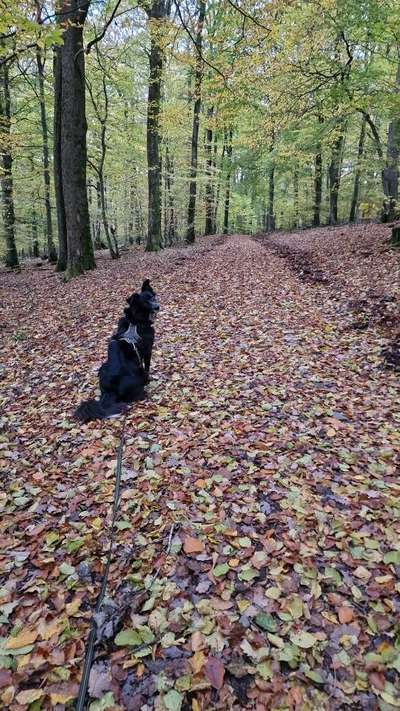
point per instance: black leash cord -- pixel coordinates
(80, 704)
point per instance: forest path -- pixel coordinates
(259, 487)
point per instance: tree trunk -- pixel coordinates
(209, 201)
(391, 171)
(170, 232)
(71, 113)
(228, 142)
(190, 234)
(334, 177)
(270, 221)
(357, 175)
(97, 227)
(11, 255)
(157, 12)
(35, 243)
(296, 197)
(219, 182)
(57, 162)
(317, 189)
(52, 253)
(395, 238)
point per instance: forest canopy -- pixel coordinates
(201, 117)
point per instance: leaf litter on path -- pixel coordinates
(257, 556)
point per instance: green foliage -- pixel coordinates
(291, 74)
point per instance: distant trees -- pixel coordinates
(208, 117)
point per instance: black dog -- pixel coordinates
(125, 373)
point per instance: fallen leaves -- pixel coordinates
(255, 561)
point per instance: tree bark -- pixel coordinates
(170, 232)
(357, 175)
(57, 163)
(52, 252)
(71, 113)
(334, 176)
(35, 242)
(157, 12)
(228, 143)
(7, 190)
(270, 221)
(317, 189)
(209, 198)
(190, 233)
(391, 170)
(296, 197)
(395, 238)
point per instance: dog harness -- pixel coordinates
(131, 336)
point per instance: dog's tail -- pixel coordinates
(96, 410)
(89, 410)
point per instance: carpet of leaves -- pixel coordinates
(257, 553)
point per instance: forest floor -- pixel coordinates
(257, 553)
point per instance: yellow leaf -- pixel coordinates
(243, 605)
(49, 629)
(382, 579)
(198, 661)
(73, 606)
(23, 639)
(28, 696)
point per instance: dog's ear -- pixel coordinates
(146, 285)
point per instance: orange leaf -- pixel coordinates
(23, 639)
(345, 614)
(193, 545)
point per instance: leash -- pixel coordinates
(80, 704)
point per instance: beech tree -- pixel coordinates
(70, 153)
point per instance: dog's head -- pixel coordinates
(143, 305)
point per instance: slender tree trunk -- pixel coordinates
(318, 181)
(334, 176)
(228, 143)
(296, 197)
(209, 198)
(190, 234)
(219, 182)
(170, 203)
(7, 190)
(157, 11)
(317, 189)
(271, 191)
(52, 253)
(34, 228)
(357, 175)
(57, 163)
(391, 170)
(71, 113)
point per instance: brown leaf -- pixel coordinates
(345, 614)
(193, 545)
(215, 672)
(5, 678)
(23, 639)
